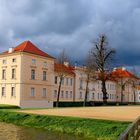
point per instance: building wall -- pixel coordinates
(128, 92)
(95, 91)
(8, 82)
(31, 62)
(67, 88)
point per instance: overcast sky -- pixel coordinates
(73, 24)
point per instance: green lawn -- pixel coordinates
(88, 128)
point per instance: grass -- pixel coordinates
(88, 128)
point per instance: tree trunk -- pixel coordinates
(86, 93)
(121, 90)
(134, 97)
(104, 92)
(58, 94)
(121, 95)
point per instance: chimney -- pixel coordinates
(123, 68)
(66, 64)
(114, 69)
(11, 50)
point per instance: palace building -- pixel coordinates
(29, 78)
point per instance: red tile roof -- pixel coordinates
(122, 73)
(138, 87)
(29, 47)
(64, 68)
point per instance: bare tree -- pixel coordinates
(89, 71)
(103, 56)
(61, 71)
(121, 81)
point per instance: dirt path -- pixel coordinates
(123, 113)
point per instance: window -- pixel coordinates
(66, 94)
(67, 81)
(44, 92)
(33, 61)
(70, 94)
(71, 81)
(45, 64)
(13, 91)
(62, 94)
(3, 91)
(81, 84)
(32, 92)
(32, 74)
(93, 95)
(13, 73)
(98, 96)
(3, 74)
(55, 80)
(44, 75)
(4, 61)
(14, 60)
(55, 93)
(80, 95)
(62, 81)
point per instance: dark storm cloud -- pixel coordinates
(73, 25)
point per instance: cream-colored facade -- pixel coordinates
(29, 80)
(67, 88)
(30, 89)
(94, 86)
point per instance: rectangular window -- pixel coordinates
(32, 92)
(13, 73)
(44, 92)
(98, 96)
(71, 81)
(12, 91)
(67, 81)
(4, 61)
(62, 94)
(33, 61)
(81, 84)
(70, 94)
(44, 75)
(80, 95)
(45, 64)
(33, 74)
(3, 74)
(3, 91)
(62, 81)
(66, 94)
(93, 95)
(55, 80)
(55, 93)
(14, 60)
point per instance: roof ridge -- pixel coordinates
(26, 42)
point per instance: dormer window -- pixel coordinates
(33, 61)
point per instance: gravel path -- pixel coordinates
(123, 113)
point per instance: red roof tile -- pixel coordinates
(138, 87)
(63, 68)
(29, 47)
(122, 73)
